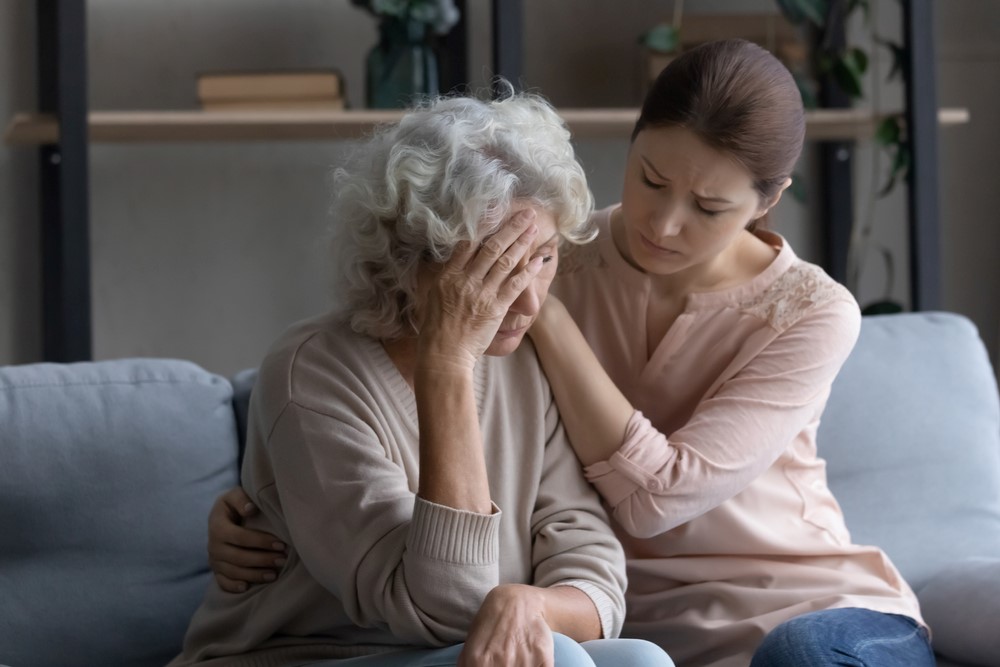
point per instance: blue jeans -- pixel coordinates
(846, 637)
(568, 653)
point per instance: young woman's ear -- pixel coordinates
(772, 202)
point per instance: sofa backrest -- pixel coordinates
(107, 474)
(911, 436)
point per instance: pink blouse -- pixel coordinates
(718, 492)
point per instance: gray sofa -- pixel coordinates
(108, 470)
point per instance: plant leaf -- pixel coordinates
(858, 60)
(884, 307)
(846, 76)
(798, 11)
(798, 189)
(663, 38)
(809, 100)
(899, 55)
(888, 131)
(900, 166)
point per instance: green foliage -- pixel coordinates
(798, 189)
(883, 307)
(848, 69)
(663, 38)
(809, 99)
(891, 137)
(898, 57)
(800, 11)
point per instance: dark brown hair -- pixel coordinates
(738, 98)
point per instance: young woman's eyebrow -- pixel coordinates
(720, 200)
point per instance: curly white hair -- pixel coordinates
(449, 171)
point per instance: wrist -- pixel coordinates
(443, 364)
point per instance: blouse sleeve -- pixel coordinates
(393, 559)
(656, 482)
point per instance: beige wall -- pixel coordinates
(206, 251)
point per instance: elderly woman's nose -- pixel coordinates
(528, 302)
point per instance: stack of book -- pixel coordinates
(312, 90)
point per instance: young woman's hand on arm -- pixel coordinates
(237, 555)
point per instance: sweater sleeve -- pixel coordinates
(656, 482)
(394, 560)
(573, 545)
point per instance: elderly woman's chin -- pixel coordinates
(506, 341)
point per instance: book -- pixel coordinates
(306, 104)
(236, 86)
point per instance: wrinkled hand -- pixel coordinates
(239, 556)
(509, 630)
(470, 294)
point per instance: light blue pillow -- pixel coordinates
(107, 474)
(911, 435)
(962, 605)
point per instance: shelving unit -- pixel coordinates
(63, 130)
(167, 126)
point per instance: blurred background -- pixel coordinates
(208, 250)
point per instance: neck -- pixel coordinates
(403, 353)
(740, 261)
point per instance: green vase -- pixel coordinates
(402, 67)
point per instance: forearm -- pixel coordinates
(594, 411)
(452, 467)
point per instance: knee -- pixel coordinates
(794, 642)
(568, 652)
(632, 652)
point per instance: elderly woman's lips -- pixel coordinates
(509, 333)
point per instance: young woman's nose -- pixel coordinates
(667, 220)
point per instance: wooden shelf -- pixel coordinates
(168, 126)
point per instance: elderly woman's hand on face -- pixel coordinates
(470, 294)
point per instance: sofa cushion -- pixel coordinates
(911, 435)
(108, 473)
(962, 604)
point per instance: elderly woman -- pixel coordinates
(408, 450)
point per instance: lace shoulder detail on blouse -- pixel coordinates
(574, 257)
(801, 288)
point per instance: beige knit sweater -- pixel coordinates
(332, 461)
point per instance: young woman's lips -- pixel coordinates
(656, 248)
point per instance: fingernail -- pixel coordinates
(270, 576)
(248, 508)
(531, 230)
(278, 546)
(535, 265)
(280, 562)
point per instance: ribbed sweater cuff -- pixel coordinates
(454, 536)
(611, 621)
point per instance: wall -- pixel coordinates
(207, 251)
(968, 58)
(20, 330)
